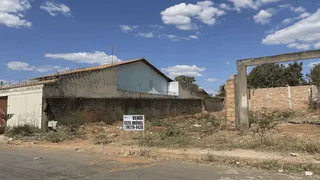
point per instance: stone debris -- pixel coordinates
(79, 150)
(308, 173)
(280, 170)
(294, 154)
(197, 125)
(37, 158)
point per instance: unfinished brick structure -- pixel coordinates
(295, 97)
(242, 102)
(230, 102)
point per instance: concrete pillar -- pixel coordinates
(242, 103)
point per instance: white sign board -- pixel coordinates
(133, 122)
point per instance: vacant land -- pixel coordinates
(272, 143)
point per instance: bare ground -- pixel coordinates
(198, 138)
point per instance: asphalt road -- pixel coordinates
(33, 164)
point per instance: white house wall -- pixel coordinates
(138, 76)
(26, 105)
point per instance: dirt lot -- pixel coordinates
(200, 138)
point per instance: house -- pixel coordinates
(128, 79)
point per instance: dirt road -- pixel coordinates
(31, 163)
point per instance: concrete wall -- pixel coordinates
(295, 97)
(185, 93)
(26, 105)
(96, 84)
(213, 104)
(139, 77)
(95, 110)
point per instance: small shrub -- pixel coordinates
(74, 121)
(101, 139)
(312, 148)
(56, 137)
(313, 105)
(264, 122)
(109, 118)
(156, 122)
(2, 129)
(24, 130)
(172, 132)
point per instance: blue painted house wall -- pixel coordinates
(139, 77)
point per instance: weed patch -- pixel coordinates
(101, 139)
(22, 131)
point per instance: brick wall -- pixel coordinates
(281, 97)
(230, 102)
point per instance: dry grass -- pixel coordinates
(206, 131)
(270, 165)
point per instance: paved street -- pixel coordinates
(30, 163)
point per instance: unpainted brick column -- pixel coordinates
(230, 102)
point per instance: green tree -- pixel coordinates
(314, 75)
(276, 75)
(222, 91)
(293, 74)
(267, 75)
(188, 82)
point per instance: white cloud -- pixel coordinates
(304, 33)
(298, 9)
(178, 38)
(22, 66)
(156, 26)
(193, 37)
(264, 16)
(54, 8)
(299, 46)
(251, 4)
(225, 6)
(183, 15)
(212, 79)
(127, 28)
(227, 62)
(12, 13)
(96, 57)
(317, 45)
(239, 4)
(260, 3)
(310, 65)
(291, 20)
(146, 35)
(284, 6)
(174, 71)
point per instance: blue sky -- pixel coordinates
(197, 38)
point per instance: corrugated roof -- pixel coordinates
(28, 84)
(105, 66)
